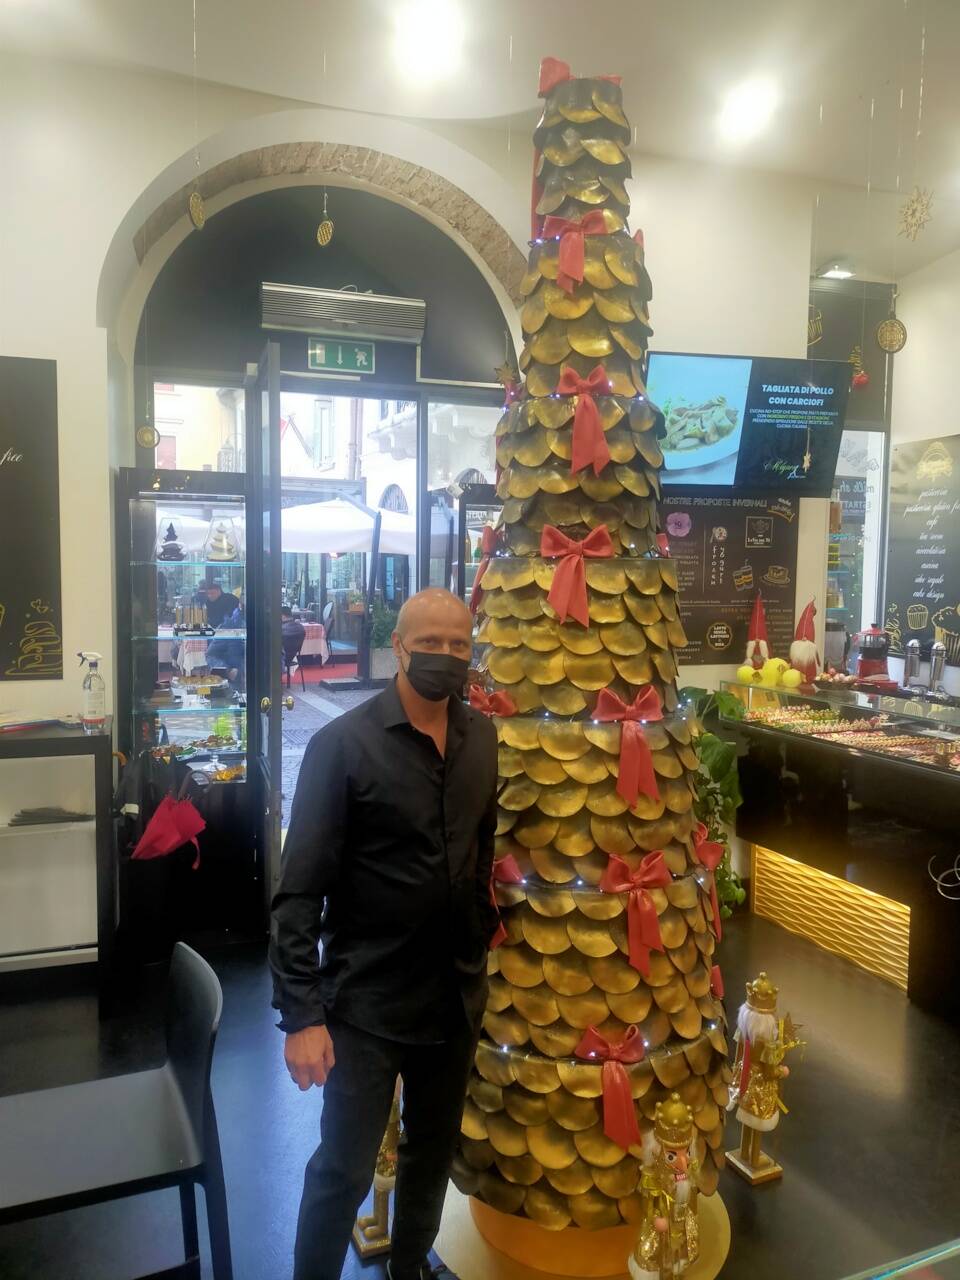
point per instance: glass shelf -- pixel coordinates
(47, 828)
(188, 564)
(228, 708)
(239, 636)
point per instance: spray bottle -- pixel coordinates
(93, 704)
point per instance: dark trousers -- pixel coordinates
(356, 1107)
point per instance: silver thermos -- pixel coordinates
(911, 664)
(938, 659)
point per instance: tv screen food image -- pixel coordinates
(703, 400)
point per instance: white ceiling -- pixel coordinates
(831, 60)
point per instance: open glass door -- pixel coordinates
(262, 388)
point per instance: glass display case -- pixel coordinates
(479, 507)
(912, 731)
(183, 627)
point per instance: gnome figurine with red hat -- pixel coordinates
(803, 652)
(758, 648)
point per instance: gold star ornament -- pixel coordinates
(916, 213)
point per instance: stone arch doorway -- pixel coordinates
(335, 164)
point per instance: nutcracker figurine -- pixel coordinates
(762, 1041)
(669, 1237)
(371, 1232)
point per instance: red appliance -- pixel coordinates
(874, 646)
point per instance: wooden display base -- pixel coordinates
(767, 1171)
(525, 1251)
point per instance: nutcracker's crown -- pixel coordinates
(673, 1123)
(762, 994)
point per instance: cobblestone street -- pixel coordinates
(311, 712)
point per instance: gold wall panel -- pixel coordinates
(870, 930)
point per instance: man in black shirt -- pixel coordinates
(220, 603)
(388, 860)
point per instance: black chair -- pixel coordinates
(124, 1135)
(291, 657)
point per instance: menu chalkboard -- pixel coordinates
(922, 596)
(30, 605)
(726, 550)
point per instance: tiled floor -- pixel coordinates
(871, 1145)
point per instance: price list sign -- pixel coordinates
(30, 606)
(726, 550)
(922, 596)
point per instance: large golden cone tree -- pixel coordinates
(604, 990)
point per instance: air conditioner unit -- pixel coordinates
(299, 309)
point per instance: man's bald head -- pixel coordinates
(434, 621)
(433, 603)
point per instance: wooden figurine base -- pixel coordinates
(767, 1171)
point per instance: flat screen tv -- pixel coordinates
(752, 424)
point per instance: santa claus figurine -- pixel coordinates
(803, 652)
(758, 648)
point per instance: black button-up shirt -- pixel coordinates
(388, 860)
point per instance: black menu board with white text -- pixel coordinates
(922, 596)
(726, 550)
(30, 607)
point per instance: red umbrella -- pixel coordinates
(174, 823)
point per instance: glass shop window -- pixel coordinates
(853, 551)
(461, 445)
(201, 428)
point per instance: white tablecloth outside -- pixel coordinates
(315, 641)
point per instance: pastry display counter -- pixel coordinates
(850, 809)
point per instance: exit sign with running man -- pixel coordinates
(333, 356)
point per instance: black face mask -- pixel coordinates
(436, 675)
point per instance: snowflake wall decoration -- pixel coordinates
(916, 213)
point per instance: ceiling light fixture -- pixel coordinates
(834, 270)
(428, 39)
(747, 110)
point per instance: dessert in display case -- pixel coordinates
(911, 731)
(187, 637)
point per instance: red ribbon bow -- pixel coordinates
(589, 442)
(554, 71)
(568, 594)
(488, 544)
(636, 772)
(716, 982)
(709, 854)
(619, 1116)
(572, 244)
(643, 927)
(492, 704)
(505, 871)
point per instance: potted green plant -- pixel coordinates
(718, 787)
(383, 661)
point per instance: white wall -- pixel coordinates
(92, 150)
(924, 393)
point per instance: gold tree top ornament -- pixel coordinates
(604, 992)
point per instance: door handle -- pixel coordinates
(288, 702)
(265, 705)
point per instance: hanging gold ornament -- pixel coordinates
(198, 214)
(326, 228)
(148, 437)
(891, 335)
(916, 213)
